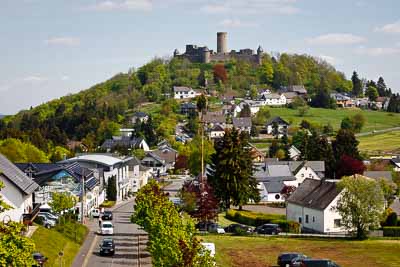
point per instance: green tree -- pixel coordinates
(253, 92)
(245, 112)
(303, 110)
(111, 190)
(266, 71)
(231, 171)
(361, 205)
(371, 93)
(357, 84)
(61, 202)
(18, 151)
(388, 190)
(194, 158)
(345, 143)
(201, 103)
(381, 87)
(262, 116)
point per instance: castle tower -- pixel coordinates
(206, 55)
(260, 52)
(222, 43)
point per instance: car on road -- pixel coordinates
(95, 213)
(216, 228)
(49, 215)
(39, 259)
(290, 259)
(318, 263)
(46, 222)
(269, 229)
(107, 216)
(237, 228)
(107, 247)
(107, 228)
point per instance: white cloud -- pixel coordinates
(331, 60)
(236, 23)
(34, 79)
(63, 41)
(389, 28)
(112, 5)
(377, 51)
(64, 78)
(336, 39)
(285, 7)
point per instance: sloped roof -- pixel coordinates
(188, 105)
(182, 89)
(271, 96)
(217, 128)
(140, 114)
(314, 194)
(169, 156)
(241, 122)
(278, 120)
(16, 176)
(290, 95)
(379, 174)
(269, 173)
(123, 141)
(274, 187)
(214, 117)
(96, 158)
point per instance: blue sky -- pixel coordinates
(50, 48)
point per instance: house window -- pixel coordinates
(277, 196)
(306, 218)
(302, 175)
(313, 219)
(336, 223)
(300, 220)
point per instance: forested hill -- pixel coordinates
(96, 113)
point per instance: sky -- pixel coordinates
(51, 48)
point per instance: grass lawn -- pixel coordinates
(223, 221)
(263, 251)
(261, 145)
(50, 243)
(378, 143)
(375, 120)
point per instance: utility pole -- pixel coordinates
(82, 194)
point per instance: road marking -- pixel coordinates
(90, 252)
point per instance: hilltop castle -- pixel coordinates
(204, 55)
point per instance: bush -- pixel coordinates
(391, 219)
(73, 231)
(257, 219)
(107, 204)
(391, 231)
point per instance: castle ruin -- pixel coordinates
(203, 55)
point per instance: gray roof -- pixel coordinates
(314, 194)
(182, 89)
(278, 120)
(140, 114)
(274, 187)
(123, 141)
(271, 96)
(290, 95)
(379, 174)
(317, 166)
(273, 172)
(244, 122)
(16, 176)
(214, 117)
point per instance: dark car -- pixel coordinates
(318, 263)
(235, 228)
(107, 247)
(268, 229)
(39, 259)
(286, 259)
(107, 215)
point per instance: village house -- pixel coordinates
(290, 96)
(216, 132)
(139, 116)
(343, 101)
(127, 142)
(300, 90)
(273, 99)
(18, 193)
(157, 165)
(242, 124)
(109, 166)
(183, 92)
(188, 109)
(382, 102)
(313, 206)
(214, 118)
(282, 126)
(65, 178)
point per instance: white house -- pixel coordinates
(294, 153)
(139, 116)
(313, 206)
(183, 92)
(17, 193)
(157, 164)
(109, 166)
(271, 191)
(281, 124)
(305, 171)
(242, 124)
(217, 131)
(273, 99)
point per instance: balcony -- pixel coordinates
(29, 217)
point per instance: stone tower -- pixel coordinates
(222, 44)
(260, 52)
(206, 55)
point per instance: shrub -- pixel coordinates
(392, 231)
(391, 219)
(73, 231)
(107, 204)
(257, 219)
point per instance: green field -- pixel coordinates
(375, 120)
(263, 251)
(380, 143)
(49, 242)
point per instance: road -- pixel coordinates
(174, 187)
(130, 242)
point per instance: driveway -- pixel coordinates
(130, 242)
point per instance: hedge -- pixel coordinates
(393, 231)
(107, 204)
(257, 219)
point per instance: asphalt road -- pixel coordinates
(130, 242)
(174, 187)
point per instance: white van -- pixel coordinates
(107, 228)
(95, 213)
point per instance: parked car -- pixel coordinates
(49, 215)
(318, 263)
(236, 227)
(296, 262)
(269, 229)
(107, 247)
(215, 228)
(286, 259)
(46, 222)
(107, 228)
(107, 215)
(95, 213)
(39, 259)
